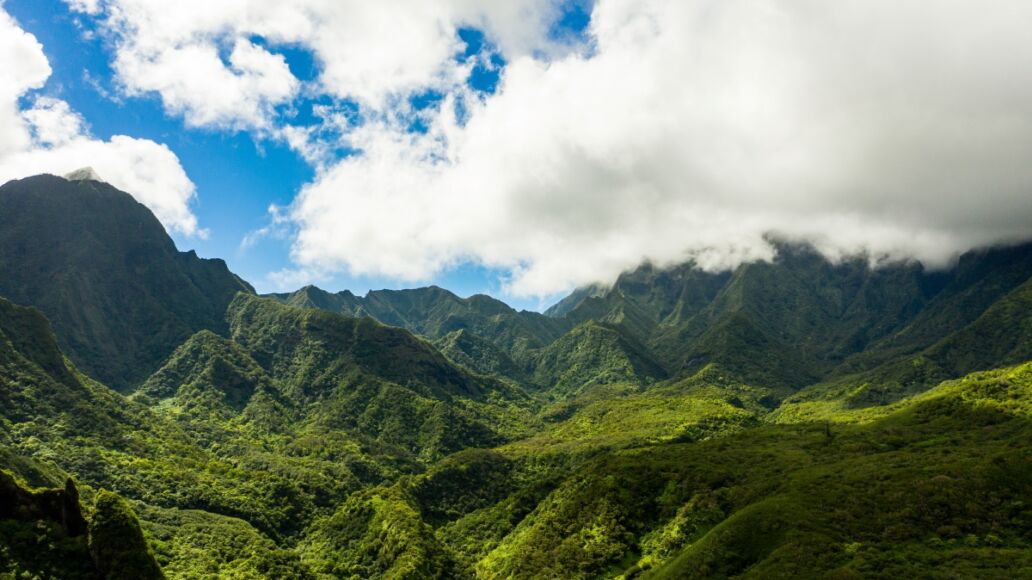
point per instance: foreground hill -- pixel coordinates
(44, 533)
(101, 267)
(938, 482)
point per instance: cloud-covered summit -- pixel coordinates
(694, 129)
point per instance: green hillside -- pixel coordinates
(799, 418)
(593, 355)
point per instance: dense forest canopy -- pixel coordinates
(791, 418)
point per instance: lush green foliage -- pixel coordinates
(434, 312)
(943, 479)
(789, 419)
(117, 545)
(43, 533)
(591, 355)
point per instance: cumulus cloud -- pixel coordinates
(370, 52)
(24, 67)
(49, 137)
(194, 82)
(694, 129)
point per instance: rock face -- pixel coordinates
(100, 266)
(59, 506)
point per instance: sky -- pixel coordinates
(522, 148)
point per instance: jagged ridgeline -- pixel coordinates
(794, 418)
(798, 321)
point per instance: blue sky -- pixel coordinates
(238, 174)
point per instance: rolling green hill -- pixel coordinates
(939, 482)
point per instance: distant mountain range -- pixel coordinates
(800, 320)
(793, 418)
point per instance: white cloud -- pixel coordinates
(900, 128)
(53, 122)
(194, 82)
(23, 67)
(49, 137)
(368, 51)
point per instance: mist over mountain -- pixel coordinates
(796, 320)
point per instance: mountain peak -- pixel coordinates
(84, 174)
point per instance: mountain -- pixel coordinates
(797, 321)
(359, 375)
(802, 319)
(434, 313)
(56, 423)
(1001, 335)
(590, 355)
(793, 418)
(479, 354)
(261, 451)
(120, 296)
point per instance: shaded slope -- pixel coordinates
(54, 421)
(207, 374)
(979, 279)
(479, 355)
(1001, 335)
(103, 270)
